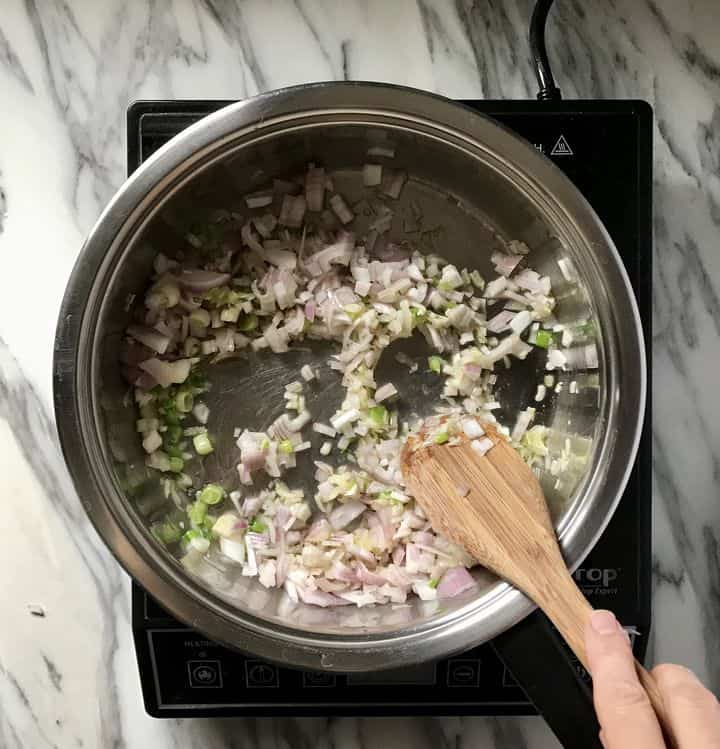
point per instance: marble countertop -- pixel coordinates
(67, 73)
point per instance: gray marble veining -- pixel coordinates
(68, 71)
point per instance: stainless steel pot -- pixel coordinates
(487, 186)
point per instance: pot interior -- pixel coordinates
(460, 203)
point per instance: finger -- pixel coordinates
(694, 711)
(623, 709)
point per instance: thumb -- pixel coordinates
(624, 711)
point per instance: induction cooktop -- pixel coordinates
(605, 148)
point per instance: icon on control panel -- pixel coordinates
(261, 675)
(561, 147)
(463, 673)
(318, 679)
(204, 674)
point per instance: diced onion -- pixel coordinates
(287, 273)
(482, 446)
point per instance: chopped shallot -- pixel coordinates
(340, 209)
(274, 280)
(482, 446)
(372, 175)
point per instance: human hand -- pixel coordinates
(627, 720)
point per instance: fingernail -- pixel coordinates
(604, 622)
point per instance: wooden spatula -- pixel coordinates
(493, 506)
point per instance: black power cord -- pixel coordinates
(547, 91)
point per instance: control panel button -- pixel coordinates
(318, 679)
(463, 672)
(204, 674)
(259, 674)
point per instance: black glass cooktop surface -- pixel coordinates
(605, 148)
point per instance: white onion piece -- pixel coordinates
(201, 412)
(150, 338)
(522, 423)
(234, 550)
(384, 392)
(344, 417)
(496, 287)
(556, 359)
(152, 441)
(520, 321)
(340, 209)
(249, 238)
(314, 188)
(455, 581)
(530, 280)
(292, 211)
(310, 309)
(324, 429)
(343, 515)
(505, 264)
(500, 322)
(283, 259)
(472, 429)
(372, 175)
(386, 151)
(320, 598)
(167, 373)
(265, 225)
(393, 184)
(482, 446)
(258, 200)
(202, 280)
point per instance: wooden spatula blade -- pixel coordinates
(490, 504)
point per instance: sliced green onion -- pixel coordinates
(586, 329)
(174, 451)
(543, 338)
(265, 444)
(197, 381)
(188, 536)
(202, 444)
(419, 315)
(176, 464)
(354, 310)
(230, 314)
(200, 317)
(197, 512)
(286, 447)
(167, 532)
(169, 413)
(477, 279)
(212, 494)
(184, 401)
(173, 434)
(378, 415)
(441, 438)
(436, 363)
(433, 583)
(257, 526)
(247, 323)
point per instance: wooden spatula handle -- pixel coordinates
(568, 609)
